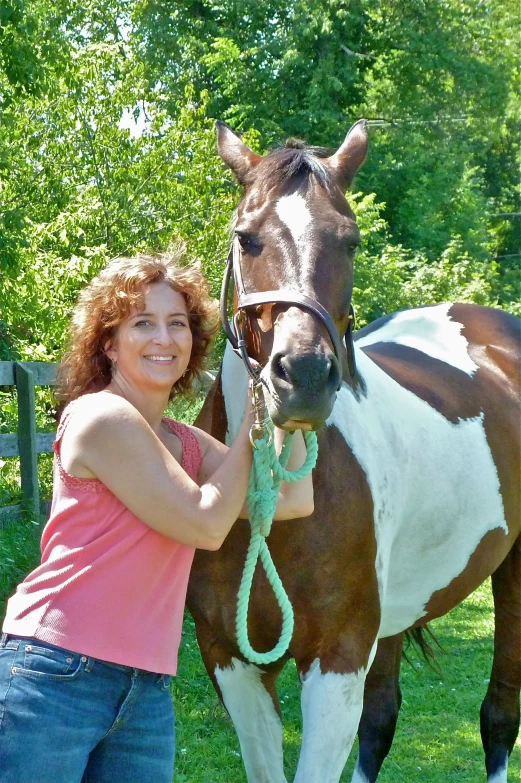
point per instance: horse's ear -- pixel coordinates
(240, 158)
(350, 155)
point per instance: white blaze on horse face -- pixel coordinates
(256, 721)
(331, 709)
(296, 216)
(434, 485)
(293, 212)
(430, 331)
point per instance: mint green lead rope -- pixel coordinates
(267, 472)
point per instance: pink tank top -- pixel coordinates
(108, 585)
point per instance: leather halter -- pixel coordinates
(236, 335)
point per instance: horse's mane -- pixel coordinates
(295, 158)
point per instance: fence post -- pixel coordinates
(27, 437)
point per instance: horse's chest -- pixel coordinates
(435, 492)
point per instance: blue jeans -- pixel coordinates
(68, 718)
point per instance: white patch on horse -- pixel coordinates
(234, 380)
(293, 212)
(429, 330)
(358, 775)
(331, 709)
(434, 485)
(256, 721)
(500, 776)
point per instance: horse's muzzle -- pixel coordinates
(304, 387)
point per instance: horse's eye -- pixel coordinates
(249, 243)
(353, 247)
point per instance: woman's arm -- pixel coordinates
(116, 445)
(294, 500)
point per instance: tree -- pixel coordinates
(442, 76)
(107, 143)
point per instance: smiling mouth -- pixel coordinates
(160, 359)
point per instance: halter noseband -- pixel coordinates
(236, 335)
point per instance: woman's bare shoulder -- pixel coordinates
(104, 412)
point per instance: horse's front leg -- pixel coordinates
(249, 694)
(332, 702)
(250, 697)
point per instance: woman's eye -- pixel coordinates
(142, 323)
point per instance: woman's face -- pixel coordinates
(152, 347)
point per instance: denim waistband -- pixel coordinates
(7, 637)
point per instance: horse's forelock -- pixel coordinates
(296, 158)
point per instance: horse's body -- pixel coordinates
(417, 501)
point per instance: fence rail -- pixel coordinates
(26, 443)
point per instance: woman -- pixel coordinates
(91, 636)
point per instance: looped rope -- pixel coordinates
(267, 472)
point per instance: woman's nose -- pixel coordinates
(162, 335)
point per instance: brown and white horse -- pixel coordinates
(417, 490)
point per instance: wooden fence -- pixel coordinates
(26, 443)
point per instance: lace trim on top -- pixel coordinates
(192, 455)
(191, 459)
(74, 482)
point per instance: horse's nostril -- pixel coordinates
(334, 372)
(278, 370)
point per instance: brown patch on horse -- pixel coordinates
(448, 390)
(494, 344)
(487, 556)
(334, 590)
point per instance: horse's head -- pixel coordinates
(296, 232)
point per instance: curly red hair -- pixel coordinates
(109, 299)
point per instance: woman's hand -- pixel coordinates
(296, 499)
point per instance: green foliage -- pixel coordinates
(390, 277)
(32, 47)
(19, 554)
(441, 75)
(107, 143)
